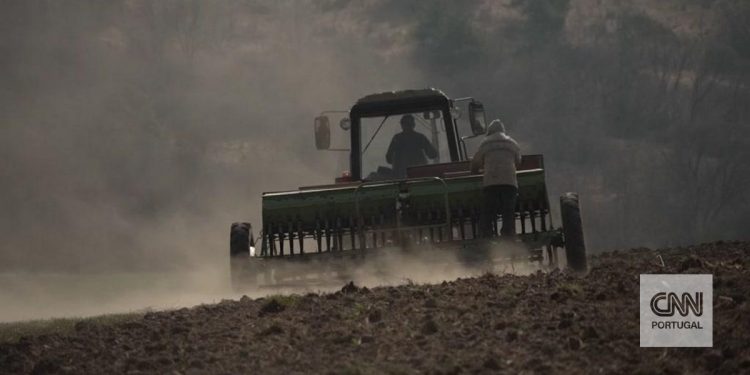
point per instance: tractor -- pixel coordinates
(324, 231)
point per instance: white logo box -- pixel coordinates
(676, 310)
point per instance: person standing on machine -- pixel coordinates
(498, 155)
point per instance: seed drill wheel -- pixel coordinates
(240, 240)
(575, 248)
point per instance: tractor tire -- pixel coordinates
(575, 247)
(240, 240)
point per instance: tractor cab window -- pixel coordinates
(469, 142)
(391, 144)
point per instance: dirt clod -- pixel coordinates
(689, 263)
(374, 316)
(349, 288)
(271, 307)
(511, 336)
(429, 327)
(274, 329)
(590, 333)
(430, 303)
(574, 343)
(724, 302)
(491, 364)
(713, 359)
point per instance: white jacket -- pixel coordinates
(498, 155)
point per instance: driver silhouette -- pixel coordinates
(409, 148)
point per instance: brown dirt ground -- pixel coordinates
(541, 323)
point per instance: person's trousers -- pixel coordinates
(499, 199)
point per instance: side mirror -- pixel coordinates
(345, 123)
(322, 133)
(476, 118)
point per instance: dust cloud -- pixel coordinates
(134, 132)
(28, 296)
(394, 265)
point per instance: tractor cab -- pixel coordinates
(404, 134)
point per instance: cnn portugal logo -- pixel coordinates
(666, 304)
(676, 310)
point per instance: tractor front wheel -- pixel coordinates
(575, 248)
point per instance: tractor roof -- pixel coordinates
(399, 102)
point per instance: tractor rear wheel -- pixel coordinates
(575, 247)
(240, 240)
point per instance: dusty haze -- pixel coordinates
(132, 133)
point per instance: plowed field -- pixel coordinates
(539, 323)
